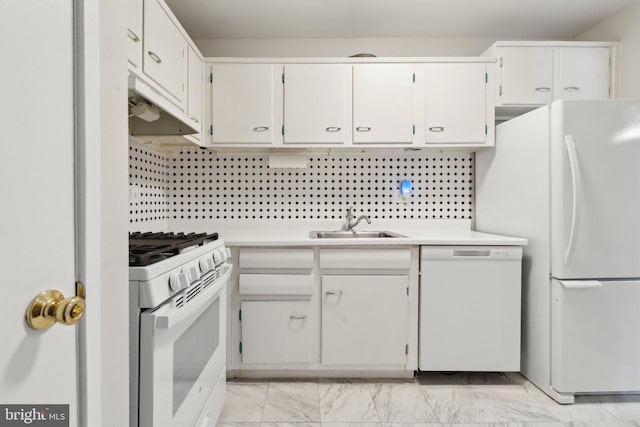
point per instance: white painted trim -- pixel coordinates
(553, 44)
(412, 60)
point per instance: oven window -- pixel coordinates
(193, 350)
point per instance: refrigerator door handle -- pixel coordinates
(575, 187)
(580, 284)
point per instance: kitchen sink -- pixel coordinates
(353, 234)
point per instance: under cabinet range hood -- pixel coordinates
(170, 121)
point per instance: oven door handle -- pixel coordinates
(190, 311)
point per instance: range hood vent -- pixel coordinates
(171, 120)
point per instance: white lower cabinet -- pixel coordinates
(364, 320)
(275, 332)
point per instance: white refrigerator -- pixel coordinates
(567, 177)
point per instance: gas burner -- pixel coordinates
(149, 248)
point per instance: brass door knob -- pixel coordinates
(51, 306)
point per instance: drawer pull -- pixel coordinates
(260, 128)
(464, 253)
(333, 292)
(333, 129)
(543, 89)
(572, 88)
(436, 129)
(133, 36)
(363, 128)
(296, 317)
(194, 119)
(155, 57)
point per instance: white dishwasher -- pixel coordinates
(470, 308)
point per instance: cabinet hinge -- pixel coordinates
(240, 315)
(283, 129)
(414, 129)
(407, 290)
(240, 347)
(406, 349)
(486, 129)
(282, 78)
(500, 62)
(414, 77)
(486, 77)
(500, 91)
(211, 78)
(211, 130)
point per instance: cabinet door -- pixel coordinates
(134, 32)
(527, 75)
(275, 331)
(165, 58)
(314, 103)
(583, 73)
(456, 103)
(194, 110)
(364, 320)
(242, 103)
(383, 98)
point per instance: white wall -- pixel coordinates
(390, 47)
(624, 26)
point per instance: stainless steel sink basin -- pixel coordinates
(353, 234)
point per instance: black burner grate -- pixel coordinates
(149, 248)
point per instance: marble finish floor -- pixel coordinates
(462, 399)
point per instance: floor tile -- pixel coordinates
(244, 403)
(292, 402)
(346, 403)
(457, 404)
(512, 403)
(401, 403)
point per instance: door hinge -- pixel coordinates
(283, 129)
(211, 78)
(500, 62)
(282, 78)
(240, 315)
(240, 347)
(406, 349)
(414, 77)
(211, 130)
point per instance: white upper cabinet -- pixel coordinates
(316, 101)
(583, 73)
(527, 75)
(383, 103)
(537, 73)
(194, 98)
(134, 33)
(242, 103)
(456, 103)
(165, 51)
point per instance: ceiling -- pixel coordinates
(506, 19)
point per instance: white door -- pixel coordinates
(134, 32)
(195, 90)
(242, 103)
(38, 369)
(583, 73)
(316, 97)
(527, 75)
(594, 336)
(383, 103)
(364, 320)
(595, 198)
(456, 100)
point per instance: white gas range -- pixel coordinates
(178, 291)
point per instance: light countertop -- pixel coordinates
(253, 233)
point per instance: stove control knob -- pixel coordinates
(178, 281)
(217, 257)
(227, 251)
(206, 264)
(194, 274)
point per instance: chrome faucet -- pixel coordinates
(350, 224)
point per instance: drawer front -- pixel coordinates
(371, 259)
(275, 331)
(276, 284)
(276, 258)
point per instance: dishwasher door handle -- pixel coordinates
(470, 253)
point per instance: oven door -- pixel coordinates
(182, 352)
